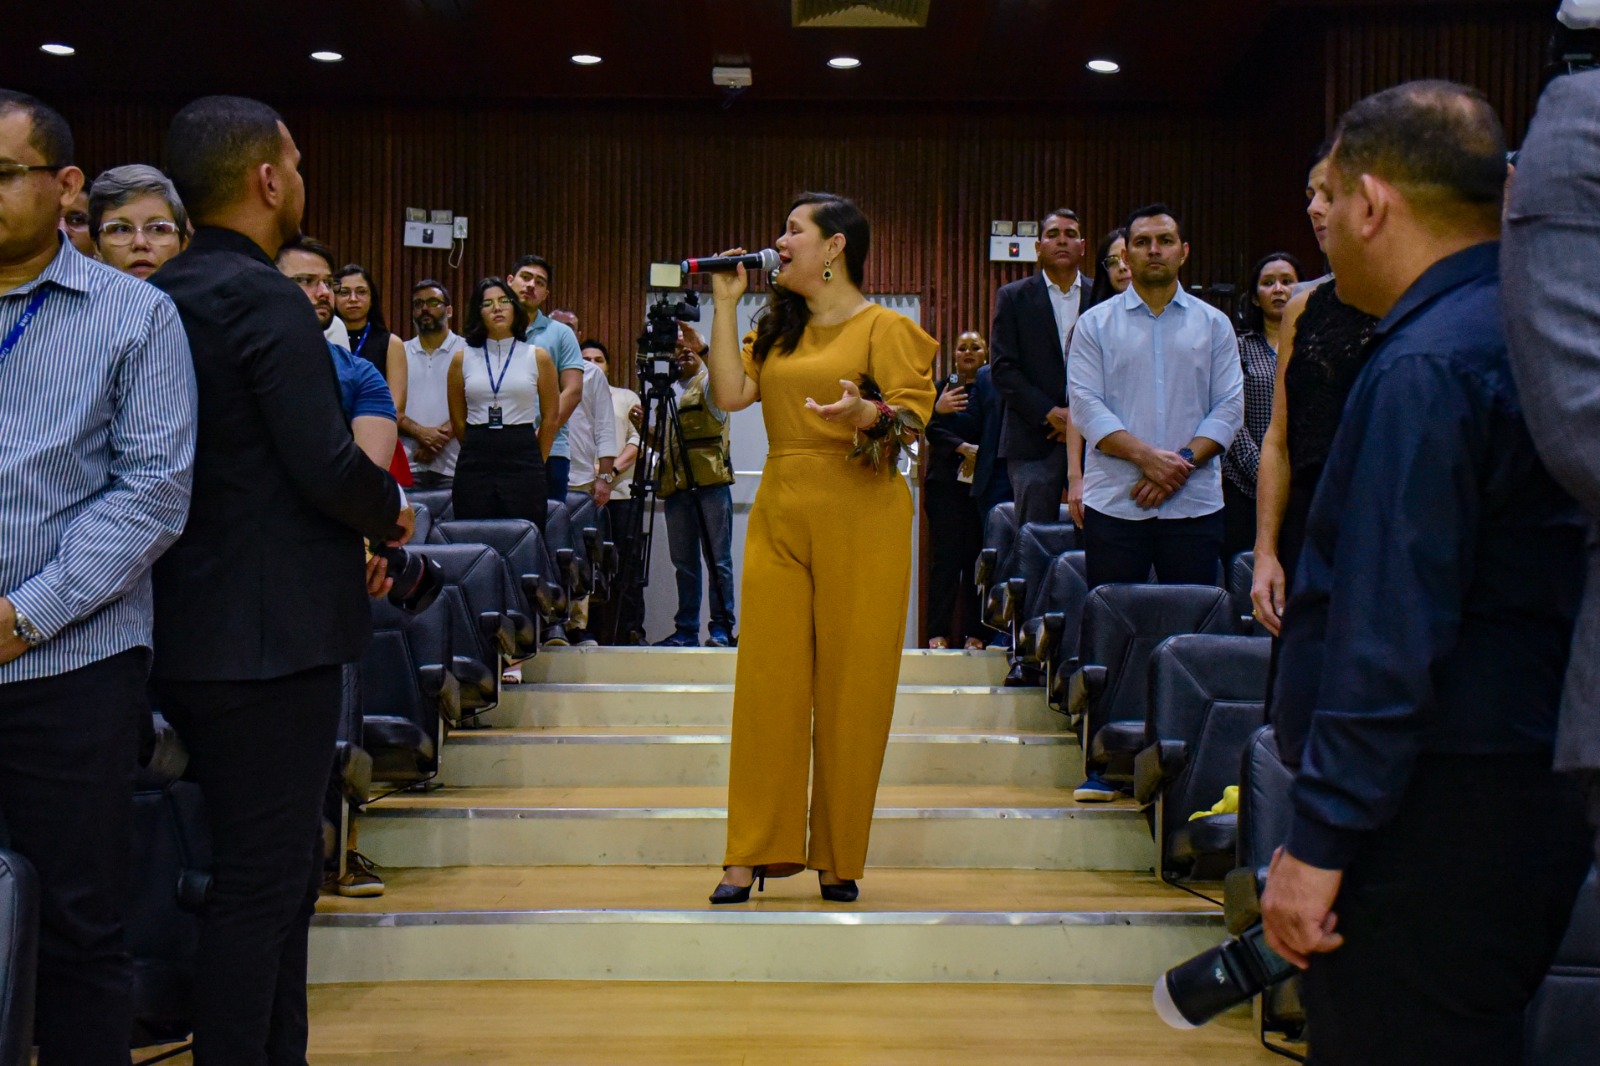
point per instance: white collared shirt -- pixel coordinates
(1065, 304)
(428, 397)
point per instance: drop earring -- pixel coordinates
(827, 270)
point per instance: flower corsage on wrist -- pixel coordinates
(879, 445)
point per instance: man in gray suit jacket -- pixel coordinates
(1552, 309)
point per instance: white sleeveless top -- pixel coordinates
(519, 388)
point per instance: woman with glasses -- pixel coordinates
(355, 301)
(503, 399)
(1112, 274)
(1267, 293)
(136, 219)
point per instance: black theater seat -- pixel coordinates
(1122, 626)
(1564, 1017)
(477, 576)
(424, 522)
(439, 502)
(409, 688)
(168, 883)
(591, 532)
(996, 560)
(523, 548)
(1241, 572)
(1048, 641)
(1263, 825)
(1037, 546)
(19, 956)
(1207, 697)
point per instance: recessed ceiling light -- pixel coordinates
(328, 57)
(1103, 66)
(58, 49)
(583, 59)
(844, 62)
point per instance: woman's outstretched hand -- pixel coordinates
(726, 287)
(849, 408)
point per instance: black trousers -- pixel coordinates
(1451, 914)
(623, 613)
(261, 752)
(1183, 551)
(1238, 523)
(499, 475)
(955, 534)
(1038, 485)
(69, 746)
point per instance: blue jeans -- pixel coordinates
(683, 541)
(557, 469)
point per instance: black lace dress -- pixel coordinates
(1330, 348)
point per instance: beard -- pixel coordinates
(426, 323)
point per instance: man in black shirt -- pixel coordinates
(1434, 854)
(262, 599)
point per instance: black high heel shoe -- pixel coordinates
(741, 893)
(843, 892)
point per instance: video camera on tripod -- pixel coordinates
(658, 343)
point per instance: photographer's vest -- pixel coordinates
(706, 438)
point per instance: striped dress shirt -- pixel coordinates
(97, 429)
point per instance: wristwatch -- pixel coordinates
(27, 632)
(1187, 455)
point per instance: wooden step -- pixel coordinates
(939, 826)
(705, 666)
(698, 755)
(654, 923)
(585, 1023)
(705, 704)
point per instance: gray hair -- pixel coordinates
(122, 185)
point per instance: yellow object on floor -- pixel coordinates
(1228, 804)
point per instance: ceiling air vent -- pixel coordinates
(860, 14)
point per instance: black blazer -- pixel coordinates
(946, 433)
(1029, 369)
(268, 577)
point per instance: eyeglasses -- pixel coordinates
(75, 220)
(498, 301)
(347, 293)
(311, 281)
(1112, 262)
(432, 303)
(118, 233)
(12, 171)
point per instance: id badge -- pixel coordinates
(495, 421)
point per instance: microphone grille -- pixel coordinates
(769, 259)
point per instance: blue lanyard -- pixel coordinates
(362, 343)
(495, 383)
(14, 338)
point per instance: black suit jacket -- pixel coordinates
(268, 577)
(1029, 369)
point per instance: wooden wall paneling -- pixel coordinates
(1496, 49)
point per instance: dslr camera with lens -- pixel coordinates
(417, 578)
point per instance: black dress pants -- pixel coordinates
(261, 752)
(1451, 914)
(955, 534)
(69, 747)
(1238, 523)
(499, 475)
(1122, 551)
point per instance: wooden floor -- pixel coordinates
(521, 888)
(510, 1023)
(716, 796)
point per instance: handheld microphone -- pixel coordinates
(766, 259)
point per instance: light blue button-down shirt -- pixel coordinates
(1165, 379)
(558, 339)
(97, 426)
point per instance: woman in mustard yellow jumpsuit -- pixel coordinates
(827, 560)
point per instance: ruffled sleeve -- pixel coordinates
(901, 362)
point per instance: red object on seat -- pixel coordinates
(400, 466)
